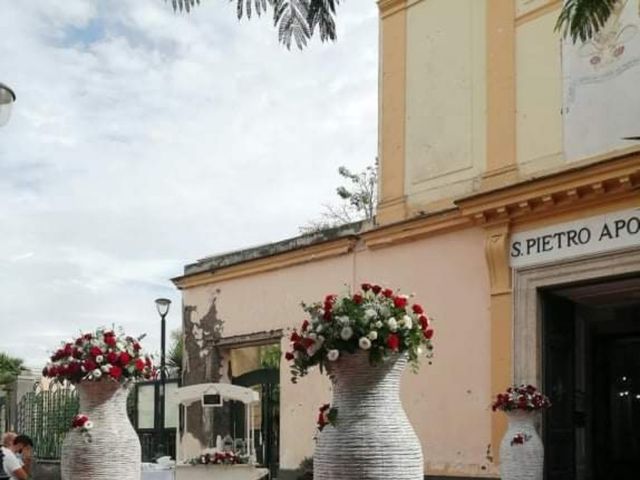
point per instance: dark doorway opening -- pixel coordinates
(591, 372)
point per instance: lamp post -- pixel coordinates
(162, 305)
(7, 98)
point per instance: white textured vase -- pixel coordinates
(373, 439)
(114, 449)
(521, 461)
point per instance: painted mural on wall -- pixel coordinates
(600, 77)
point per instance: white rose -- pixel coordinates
(365, 343)
(370, 313)
(343, 319)
(99, 359)
(105, 368)
(88, 425)
(346, 333)
(319, 328)
(378, 324)
(332, 355)
(392, 324)
(408, 323)
(97, 373)
(385, 311)
(373, 335)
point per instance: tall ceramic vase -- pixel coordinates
(373, 439)
(521, 450)
(113, 449)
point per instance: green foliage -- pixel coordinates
(10, 368)
(270, 356)
(176, 352)
(305, 470)
(296, 20)
(583, 19)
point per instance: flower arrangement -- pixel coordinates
(520, 439)
(82, 423)
(377, 320)
(326, 416)
(525, 397)
(97, 355)
(218, 458)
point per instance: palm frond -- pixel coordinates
(322, 16)
(247, 7)
(582, 19)
(184, 5)
(290, 16)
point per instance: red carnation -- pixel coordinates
(307, 342)
(365, 287)
(79, 341)
(387, 292)
(136, 346)
(110, 340)
(327, 315)
(88, 336)
(376, 289)
(400, 301)
(424, 322)
(428, 334)
(140, 364)
(77, 353)
(112, 358)
(289, 356)
(95, 351)
(357, 299)
(305, 325)
(124, 359)
(417, 309)
(115, 372)
(294, 337)
(393, 341)
(89, 365)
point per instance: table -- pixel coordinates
(220, 472)
(158, 475)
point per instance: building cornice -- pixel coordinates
(389, 7)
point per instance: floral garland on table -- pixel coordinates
(82, 423)
(520, 439)
(100, 354)
(378, 320)
(218, 458)
(524, 397)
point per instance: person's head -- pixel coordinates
(7, 439)
(20, 442)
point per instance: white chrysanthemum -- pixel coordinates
(105, 368)
(364, 343)
(343, 319)
(370, 313)
(88, 425)
(97, 373)
(346, 333)
(99, 359)
(319, 328)
(332, 355)
(373, 335)
(385, 311)
(392, 324)
(378, 324)
(407, 322)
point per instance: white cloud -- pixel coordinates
(142, 140)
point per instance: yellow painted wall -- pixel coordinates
(539, 93)
(445, 99)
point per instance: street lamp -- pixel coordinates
(162, 305)
(7, 97)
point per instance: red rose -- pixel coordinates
(95, 351)
(140, 364)
(400, 301)
(307, 342)
(294, 337)
(305, 325)
(299, 347)
(112, 358)
(136, 346)
(365, 287)
(289, 356)
(74, 367)
(417, 309)
(393, 341)
(89, 365)
(77, 353)
(115, 372)
(327, 315)
(124, 359)
(110, 340)
(387, 292)
(428, 334)
(424, 322)
(147, 362)
(79, 341)
(88, 336)
(376, 289)
(357, 299)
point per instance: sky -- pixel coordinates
(143, 140)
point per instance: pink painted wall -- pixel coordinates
(448, 401)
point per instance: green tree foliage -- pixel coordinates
(270, 356)
(10, 368)
(581, 20)
(357, 201)
(176, 351)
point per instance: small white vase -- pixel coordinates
(113, 451)
(521, 461)
(373, 439)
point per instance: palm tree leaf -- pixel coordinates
(290, 16)
(322, 15)
(582, 19)
(184, 5)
